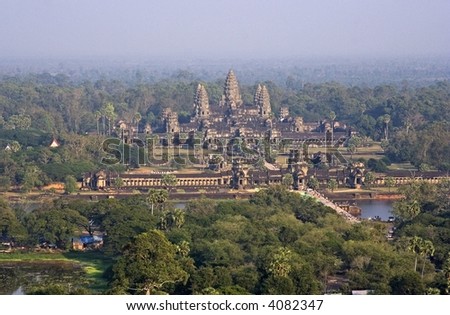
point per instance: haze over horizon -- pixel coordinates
(224, 29)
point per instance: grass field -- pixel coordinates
(402, 166)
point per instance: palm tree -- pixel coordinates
(389, 182)
(108, 112)
(313, 183)
(369, 178)
(161, 197)
(413, 209)
(118, 183)
(169, 180)
(164, 221)
(332, 116)
(426, 250)
(414, 246)
(178, 218)
(156, 196)
(137, 119)
(386, 120)
(151, 199)
(446, 270)
(183, 248)
(103, 115)
(98, 115)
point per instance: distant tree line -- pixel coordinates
(413, 123)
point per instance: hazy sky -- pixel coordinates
(223, 28)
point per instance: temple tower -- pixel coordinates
(257, 95)
(262, 101)
(239, 175)
(165, 114)
(298, 125)
(171, 123)
(201, 103)
(298, 169)
(231, 97)
(284, 113)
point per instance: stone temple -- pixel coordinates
(232, 118)
(238, 141)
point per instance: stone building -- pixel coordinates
(229, 123)
(231, 117)
(262, 102)
(201, 103)
(170, 119)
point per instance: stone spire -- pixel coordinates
(298, 124)
(231, 97)
(201, 102)
(257, 95)
(284, 113)
(171, 122)
(263, 102)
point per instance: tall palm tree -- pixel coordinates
(137, 119)
(332, 116)
(169, 180)
(156, 196)
(415, 245)
(98, 115)
(426, 250)
(118, 183)
(446, 270)
(386, 120)
(161, 197)
(421, 247)
(178, 218)
(108, 112)
(103, 113)
(164, 221)
(183, 248)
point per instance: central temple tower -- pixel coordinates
(231, 98)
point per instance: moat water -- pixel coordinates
(374, 208)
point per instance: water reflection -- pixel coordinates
(19, 291)
(19, 277)
(373, 208)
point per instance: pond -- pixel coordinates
(373, 208)
(18, 277)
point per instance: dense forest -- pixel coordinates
(278, 242)
(411, 122)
